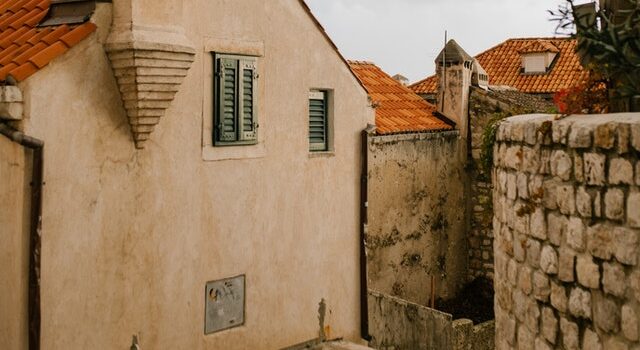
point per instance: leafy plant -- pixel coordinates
(589, 97)
(608, 41)
(489, 140)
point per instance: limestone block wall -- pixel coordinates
(566, 227)
(484, 106)
(481, 111)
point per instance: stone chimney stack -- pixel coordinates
(150, 56)
(401, 79)
(454, 68)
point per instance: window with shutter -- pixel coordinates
(318, 126)
(235, 89)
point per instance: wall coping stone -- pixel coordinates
(385, 139)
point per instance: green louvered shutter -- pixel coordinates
(227, 100)
(248, 119)
(318, 120)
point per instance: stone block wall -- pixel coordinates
(567, 227)
(481, 111)
(484, 106)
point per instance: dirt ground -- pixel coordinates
(474, 302)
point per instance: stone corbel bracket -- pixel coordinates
(11, 107)
(149, 74)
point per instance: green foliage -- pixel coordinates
(489, 140)
(608, 41)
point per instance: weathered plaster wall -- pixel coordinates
(131, 237)
(396, 324)
(453, 98)
(14, 249)
(416, 218)
(567, 221)
(466, 336)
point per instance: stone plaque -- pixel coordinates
(224, 304)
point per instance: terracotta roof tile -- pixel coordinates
(30, 52)
(77, 34)
(23, 71)
(31, 5)
(503, 64)
(45, 56)
(11, 35)
(39, 35)
(18, 5)
(44, 4)
(6, 69)
(25, 48)
(9, 53)
(56, 34)
(398, 109)
(539, 45)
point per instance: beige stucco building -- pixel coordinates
(131, 232)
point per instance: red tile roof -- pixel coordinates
(398, 109)
(503, 64)
(25, 48)
(538, 46)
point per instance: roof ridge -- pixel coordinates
(361, 62)
(521, 39)
(324, 33)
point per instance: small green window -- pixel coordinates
(318, 124)
(236, 122)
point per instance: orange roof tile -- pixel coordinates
(398, 109)
(25, 48)
(538, 46)
(503, 64)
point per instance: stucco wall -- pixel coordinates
(397, 324)
(14, 250)
(131, 237)
(567, 221)
(416, 217)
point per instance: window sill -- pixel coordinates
(212, 154)
(322, 154)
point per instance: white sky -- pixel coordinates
(405, 36)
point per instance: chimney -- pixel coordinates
(401, 79)
(454, 69)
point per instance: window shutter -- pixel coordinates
(227, 100)
(248, 119)
(317, 121)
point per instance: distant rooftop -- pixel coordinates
(503, 64)
(398, 109)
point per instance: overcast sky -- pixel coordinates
(405, 36)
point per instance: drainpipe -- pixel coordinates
(364, 203)
(37, 146)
